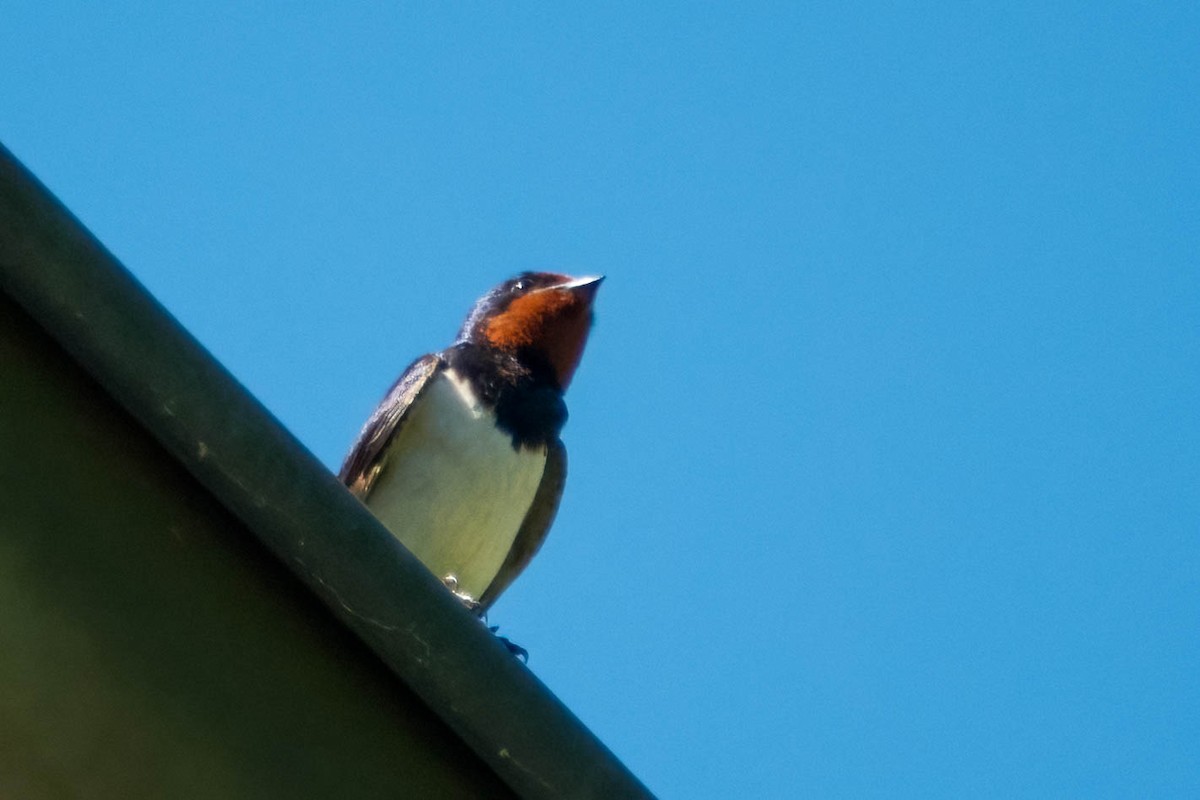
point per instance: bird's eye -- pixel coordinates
(519, 286)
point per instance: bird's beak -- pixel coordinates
(584, 288)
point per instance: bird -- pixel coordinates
(462, 460)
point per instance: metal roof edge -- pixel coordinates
(54, 268)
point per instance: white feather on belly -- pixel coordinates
(454, 491)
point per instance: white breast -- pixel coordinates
(454, 490)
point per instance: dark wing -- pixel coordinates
(536, 525)
(364, 463)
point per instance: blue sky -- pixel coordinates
(885, 449)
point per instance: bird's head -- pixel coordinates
(536, 314)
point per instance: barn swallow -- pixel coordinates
(462, 459)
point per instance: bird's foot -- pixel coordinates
(512, 647)
(451, 582)
(509, 645)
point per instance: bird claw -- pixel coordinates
(512, 647)
(451, 583)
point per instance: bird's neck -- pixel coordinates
(519, 388)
